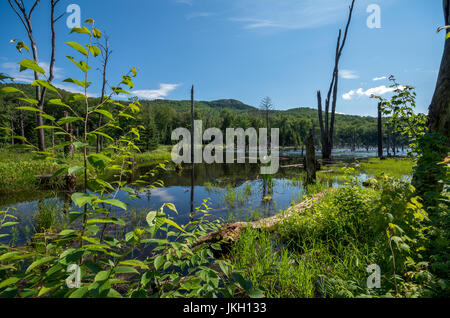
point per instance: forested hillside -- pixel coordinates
(160, 117)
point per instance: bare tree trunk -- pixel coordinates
(22, 127)
(11, 122)
(310, 161)
(380, 132)
(439, 111)
(68, 150)
(25, 18)
(192, 153)
(327, 126)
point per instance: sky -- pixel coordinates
(245, 49)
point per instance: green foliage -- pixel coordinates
(400, 108)
(154, 260)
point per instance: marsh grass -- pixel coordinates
(18, 170)
(49, 217)
(321, 252)
(395, 167)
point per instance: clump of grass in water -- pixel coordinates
(49, 217)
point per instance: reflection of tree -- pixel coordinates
(267, 191)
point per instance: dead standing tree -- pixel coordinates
(25, 17)
(267, 106)
(327, 128)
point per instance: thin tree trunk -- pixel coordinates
(192, 152)
(106, 53)
(22, 127)
(380, 132)
(11, 122)
(310, 160)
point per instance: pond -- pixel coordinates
(234, 192)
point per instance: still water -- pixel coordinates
(233, 192)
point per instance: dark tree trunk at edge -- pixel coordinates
(439, 111)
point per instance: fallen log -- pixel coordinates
(229, 233)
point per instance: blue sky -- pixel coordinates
(247, 49)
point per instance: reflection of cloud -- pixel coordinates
(380, 90)
(164, 195)
(163, 91)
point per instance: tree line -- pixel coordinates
(160, 117)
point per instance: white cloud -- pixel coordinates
(194, 15)
(27, 76)
(163, 91)
(73, 89)
(380, 90)
(188, 2)
(348, 74)
(283, 14)
(379, 78)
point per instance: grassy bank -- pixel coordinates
(18, 171)
(325, 250)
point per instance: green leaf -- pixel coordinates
(134, 262)
(105, 113)
(44, 84)
(81, 65)
(76, 97)
(75, 170)
(78, 47)
(9, 224)
(151, 218)
(256, 293)
(38, 263)
(32, 109)
(81, 199)
(112, 293)
(80, 292)
(102, 134)
(101, 276)
(7, 90)
(29, 101)
(97, 33)
(159, 261)
(170, 222)
(171, 206)
(57, 102)
(68, 119)
(49, 117)
(107, 220)
(32, 65)
(9, 281)
(448, 36)
(8, 255)
(83, 84)
(126, 270)
(114, 202)
(82, 30)
(94, 50)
